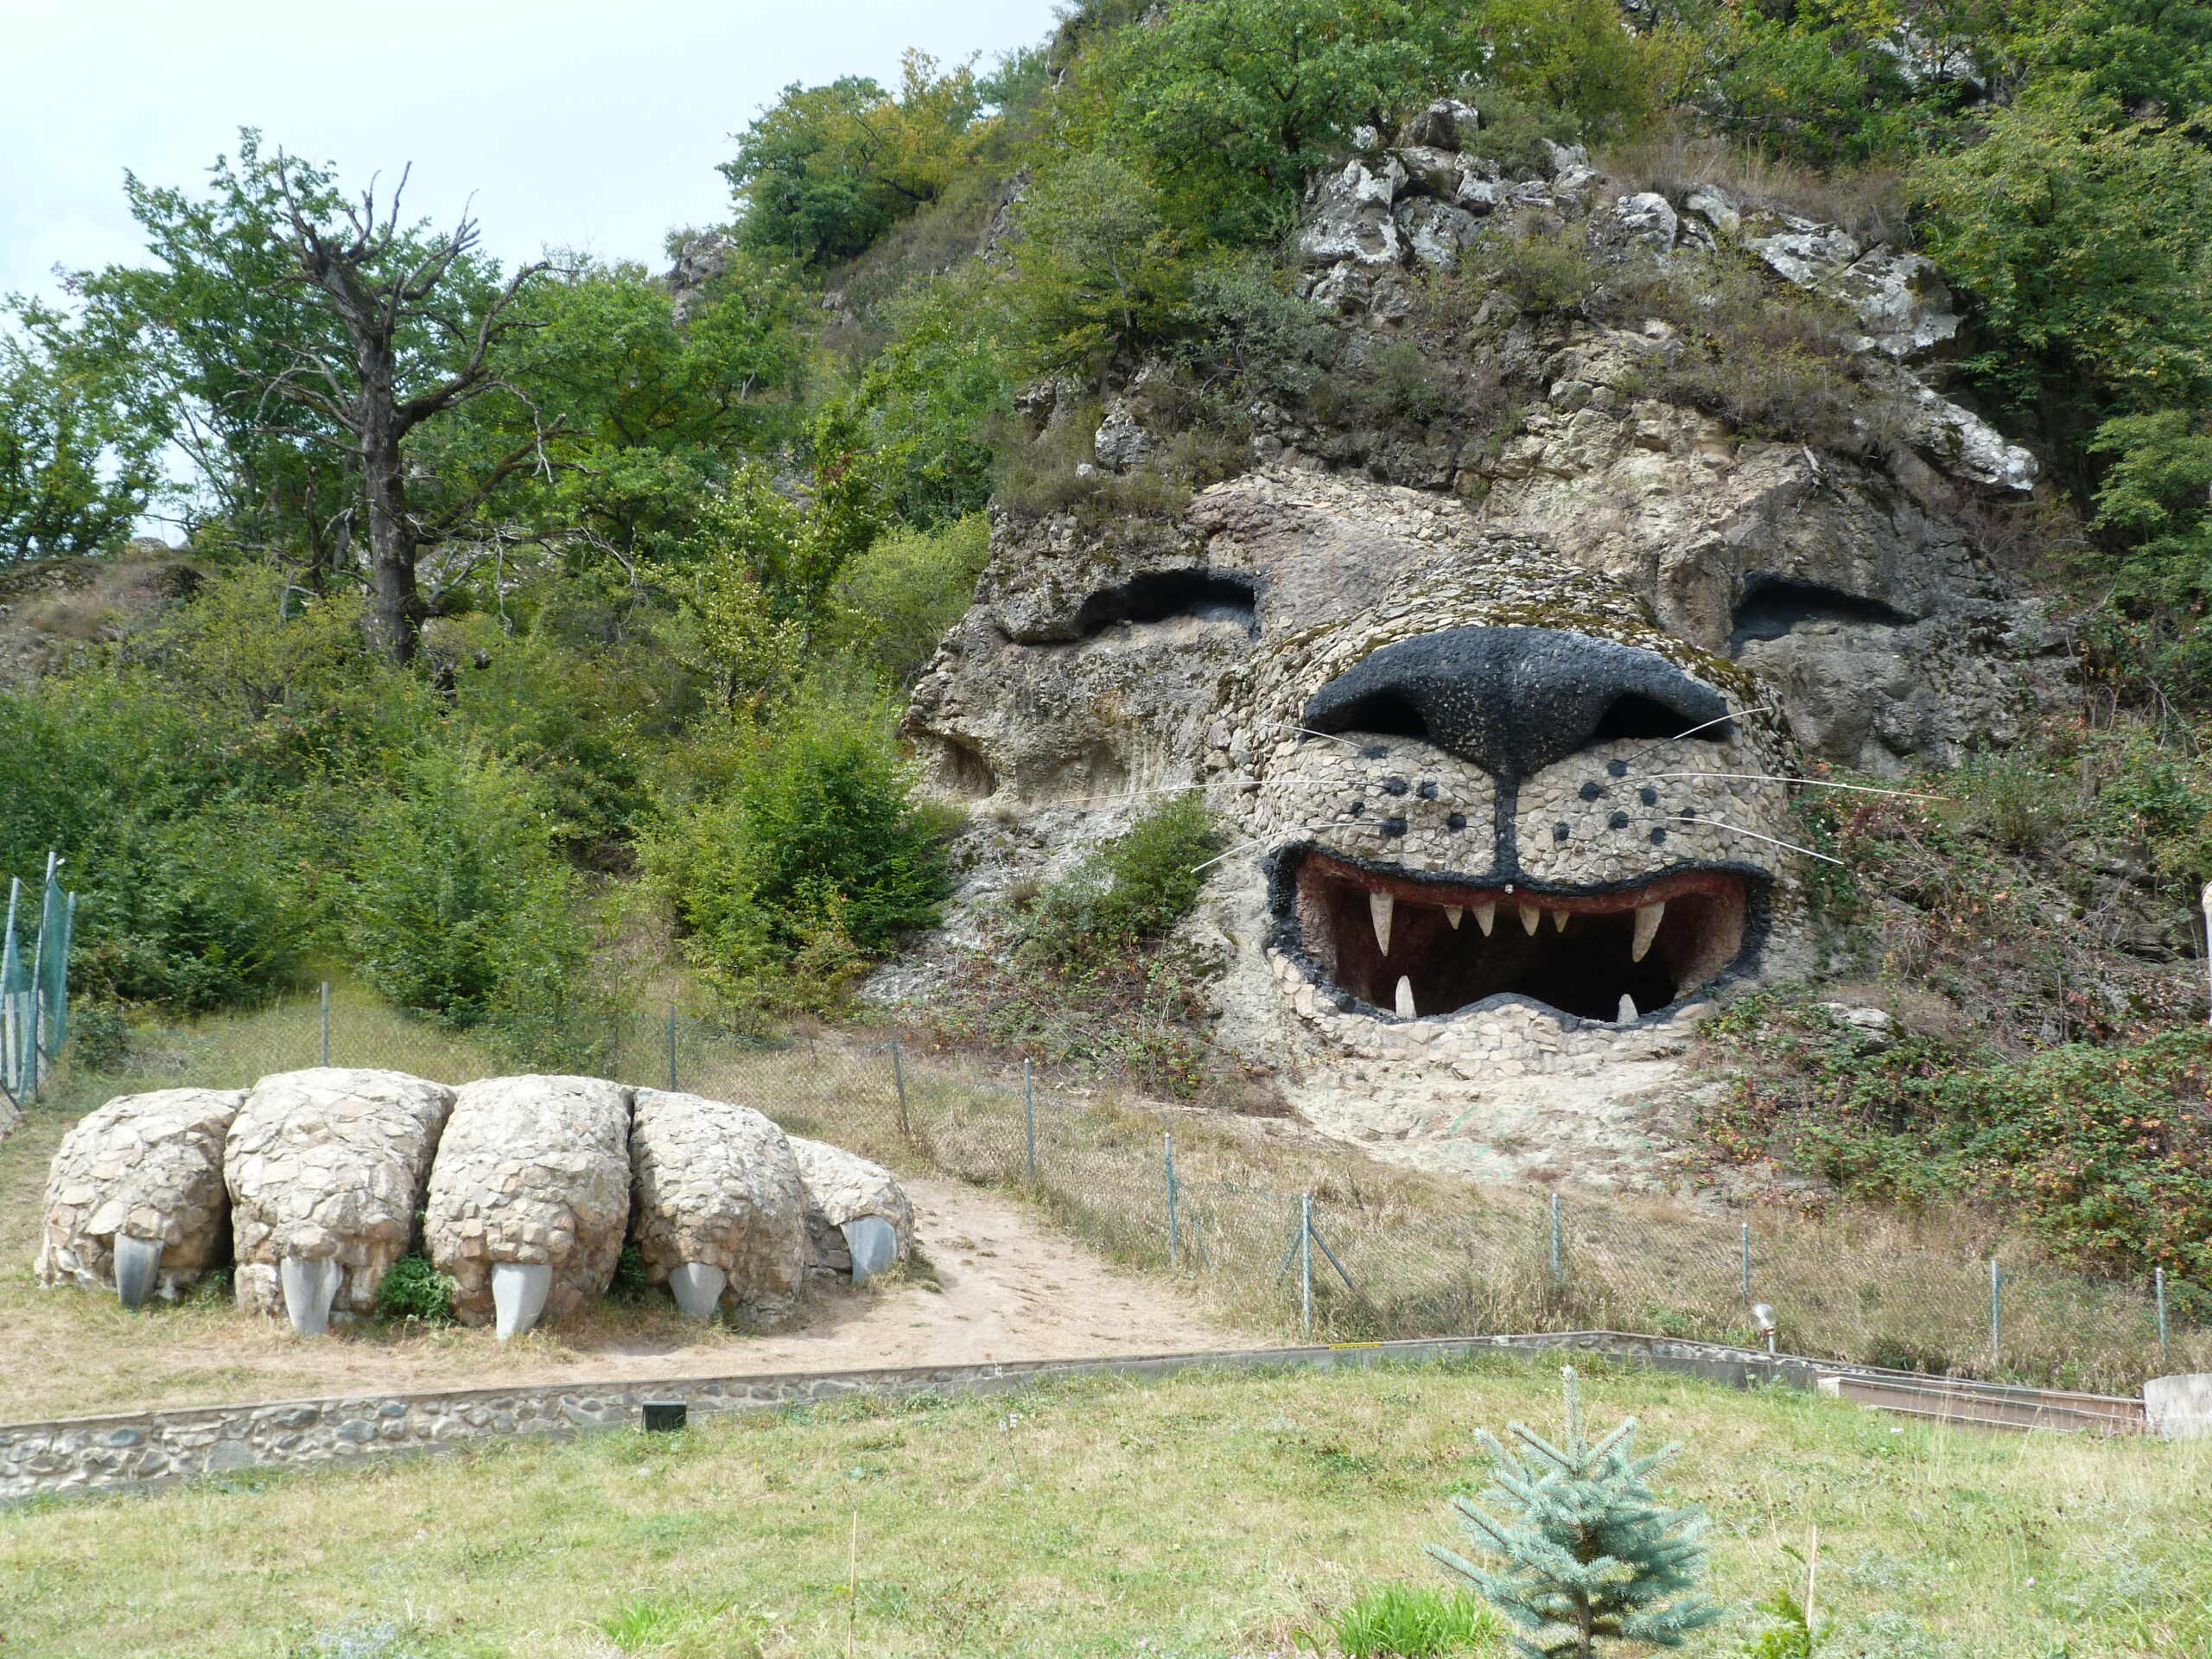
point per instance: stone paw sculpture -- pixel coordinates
(858, 1218)
(530, 1197)
(327, 1170)
(721, 1215)
(135, 1200)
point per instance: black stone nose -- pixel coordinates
(1513, 701)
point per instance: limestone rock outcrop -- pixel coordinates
(720, 1210)
(327, 1169)
(859, 1220)
(530, 1197)
(135, 1200)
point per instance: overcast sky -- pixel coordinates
(588, 123)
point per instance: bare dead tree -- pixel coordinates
(385, 289)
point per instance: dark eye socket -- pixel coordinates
(1772, 606)
(1163, 595)
(1646, 718)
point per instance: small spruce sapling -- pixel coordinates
(1589, 1552)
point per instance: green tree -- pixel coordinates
(758, 590)
(1099, 267)
(75, 471)
(1228, 106)
(2079, 234)
(1589, 1554)
(825, 170)
(646, 417)
(314, 348)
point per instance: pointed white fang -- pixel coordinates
(1452, 914)
(697, 1287)
(518, 1292)
(1559, 919)
(1647, 926)
(137, 1268)
(1405, 997)
(1485, 918)
(1627, 1010)
(310, 1289)
(1379, 906)
(1531, 917)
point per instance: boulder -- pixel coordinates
(1902, 302)
(530, 1197)
(720, 1212)
(1434, 232)
(858, 1219)
(1446, 124)
(135, 1200)
(1349, 216)
(1646, 221)
(1120, 442)
(327, 1170)
(1962, 444)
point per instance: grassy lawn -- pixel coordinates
(1208, 1516)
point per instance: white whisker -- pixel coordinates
(1737, 829)
(1809, 783)
(1717, 720)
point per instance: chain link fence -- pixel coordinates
(1365, 1257)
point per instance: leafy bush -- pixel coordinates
(414, 1289)
(1132, 890)
(896, 601)
(1404, 1621)
(460, 909)
(810, 862)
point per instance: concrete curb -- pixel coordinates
(78, 1455)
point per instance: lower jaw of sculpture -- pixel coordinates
(1425, 947)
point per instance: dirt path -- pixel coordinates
(1005, 1287)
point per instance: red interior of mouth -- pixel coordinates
(1586, 967)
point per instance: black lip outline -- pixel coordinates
(1286, 936)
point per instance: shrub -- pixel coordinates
(1131, 890)
(413, 1289)
(812, 862)
(1588, 1553)
(1404, 1621)
(460, 909)
(896, 601)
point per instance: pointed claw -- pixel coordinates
(1485, 918)
(137, 1268)
(1531, 918)
(698, 1289)
(1379, 907)
(873, 1244)
(1628, 1014)
(309, 1289)
(1647, 927)
(1405, 997)
(1452, 914)
(518, 1292)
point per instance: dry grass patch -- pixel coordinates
(1207, 1516)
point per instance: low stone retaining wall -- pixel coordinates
(88, 1454)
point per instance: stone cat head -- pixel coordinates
(1469, 780)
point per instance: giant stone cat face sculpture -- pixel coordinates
(1495, 821)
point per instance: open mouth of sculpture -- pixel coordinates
(1422, 947)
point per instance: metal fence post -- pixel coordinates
(1747, 1264)
(1029, 1131)
(2158, 1278)
(1174, 1223)
(671, 1048)
(1996, 1326)
(1559, 1266)
(326, 1022)
(1305, 1265)
(898, 1082)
